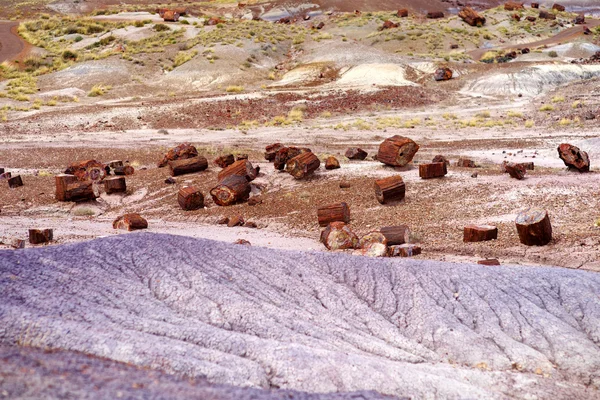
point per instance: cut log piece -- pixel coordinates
(130, 222)
(558, 7)
(387, 24)
(224, 161)
(372, 250)
(513, 5)
(533, 226)
(371, 238)
(395, 235)
(471, 17)
(180, 152)
(516, 171)
(338, 236)
(489, 261)
(39, 236)
(188, 165)
(442, 74)
(232, 189)
(17, 244)
(440, 158)
(479, 233)
(88, 170)
(397, 151)
(69, 188)
(535, 5)
(15, 182)
(404, 250)
(547, 15)
(333, 213)
(465, 163)
(579, 19)
(190, 198)
(271, 150)
(303, 165)
(242, 168)
(356, 153)
(433, 170)
(332, 163)
(390, 189)
(124, 170)
(402, 13)
(285, 154)
(573, 157)
(115, 184)
(435, 14)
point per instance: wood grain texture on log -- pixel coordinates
(471, 17)
(432, 170)
(38, 236)
(332, 213)
(285, 154)
(356, 153)
(15, 182)
(188, 165)
(573, 157)
(180, 152)
(370, 238)
(516, 171)
(303, 165)
(190, 198)
(390, 189)
(397, 151)
(533, 227)
(242, 168)
(338, 236)
(232, 189)
(124, 170)
(130, 222)
(115, 184)
(397, 234)
(479, 233)
(224, 161)
(87, 170)
(404, 250)
(332, 163)
(271, 151)
(69, 188)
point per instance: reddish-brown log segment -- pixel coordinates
(573, 157)
(115, 184)
(465, 163)
(285, 154)
(558, 7)
(547, 15)
(513, 5)
(516, 171)
(435, 14)
(303, 165)
(402, 13)
(390, 189)
(397, 151)
(404, 250)
(471, 17)
(332, 163)
(130, 222)
(231, 190)
(190, 198)
(433, 170)
(38, 236)
(224, 161)
(479, 233)
(338, 236)
(442, 74)
(271, 150)
(242, 168)
(370, 238)
(69, 188)
(333, 213)
(180, 152)
(489, 261)
(356, 153)
(88, 170)
(188, 165)
(395, 235)
(533, 226)
(124, 170)
(15, 182)
(372, 249)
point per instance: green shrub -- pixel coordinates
(69, 55)
(161, 28)
(552, 54)
(78, 39)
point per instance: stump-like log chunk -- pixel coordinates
(15, 182)
(115, 184)
(303, 165)
(356, 153)
(180, 152)
(271, 150)
(442, 74)
(479, 233)
(390, 189)
(435, 14)
(404, 250)
(224, 161)
(124, 170)
(402, 13)
(242, 168)
(371, 238)
(535, 5)
(516, 171)
(88, 170)
(471, 17)
(465, 163)
(513, 5)
(397, 151)
(573, 157)
(69, 188)
(188, 165)
(372, 250)
(339, 236)
(190, 198)
(395, 235)
(38, 236)
(332, 163)
(233, 189)
(333, 213)
(533, 226)
(489, 261)
(558, 7)
(285, 154)
(433, 170)
(579, 19)
(547, 15)
(130, 222)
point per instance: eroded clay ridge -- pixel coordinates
(313, 322)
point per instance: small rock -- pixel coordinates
(170, 180)
(223, 221)
(255, 200)
(474, 175)
(332, 163)
(344, 185)
(250, 224)
(242, 242)
(235, 221)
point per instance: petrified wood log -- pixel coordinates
(404, 250)
(471, 17)
(390, 189)
(115, 184)
(558, 7)
(356, 153)
(190, 198)
(579, 19)
(547, 15)
(15, 182)
(573, 157)
(371, 238)
(188, 165)
(513, 5)
(224, 161)
(180, 152)
(402, 13)
(69, 188)
(124, 170)
(479, 233)
(285, 154)
(489, 261)
(435, 14)
(242, 168)
(373, 249)
(231, 190)
(271, 150)
(332, 163)
(17, 244)
(442, 74)
(533, 226)
(130, 222)
(88, 170)
(303, 165)
(465, 163)
(516, 171)
(433, 170)
(388, 25)
(333, 213)
(338, 236)
(535, 5)
(397, 151)
(440, 158)
(395, 235)
(38, 236)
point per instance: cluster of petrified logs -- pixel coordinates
(81, 180)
